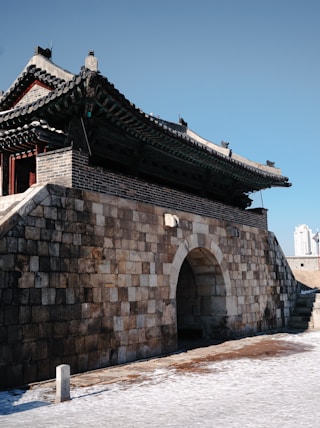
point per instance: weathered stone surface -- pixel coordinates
(98, 283)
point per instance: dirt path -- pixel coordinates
(194, 360)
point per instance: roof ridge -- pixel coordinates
(53, 75)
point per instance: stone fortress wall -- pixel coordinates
(98, 278)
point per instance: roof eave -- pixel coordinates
(95, 91)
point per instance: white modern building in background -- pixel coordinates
(306, 242)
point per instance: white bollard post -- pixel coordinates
(62, 383)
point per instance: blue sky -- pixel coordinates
(242, 71)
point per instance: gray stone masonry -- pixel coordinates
(71, 168)
(89, 279)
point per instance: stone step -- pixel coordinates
(308, 297)
(306, 315)
(301, 323)
(303, 310)
(307, 305)
(300, 318)
(301, 326)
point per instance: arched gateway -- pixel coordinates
(201, 284)
(134, 227)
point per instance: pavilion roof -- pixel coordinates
(111, 119)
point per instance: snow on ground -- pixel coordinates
(277, 390)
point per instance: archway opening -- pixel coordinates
(201, 300)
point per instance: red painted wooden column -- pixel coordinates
(12, 168)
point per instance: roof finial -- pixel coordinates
(44, 52)
(91, 62)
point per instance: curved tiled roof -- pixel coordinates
(40, 69)
(91, 95)
(30, 75)
(23, 138)
(21, 113)
(177, 142)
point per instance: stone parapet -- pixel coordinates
(71, 168)
(306, 263)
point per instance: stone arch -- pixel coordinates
(200, 283)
